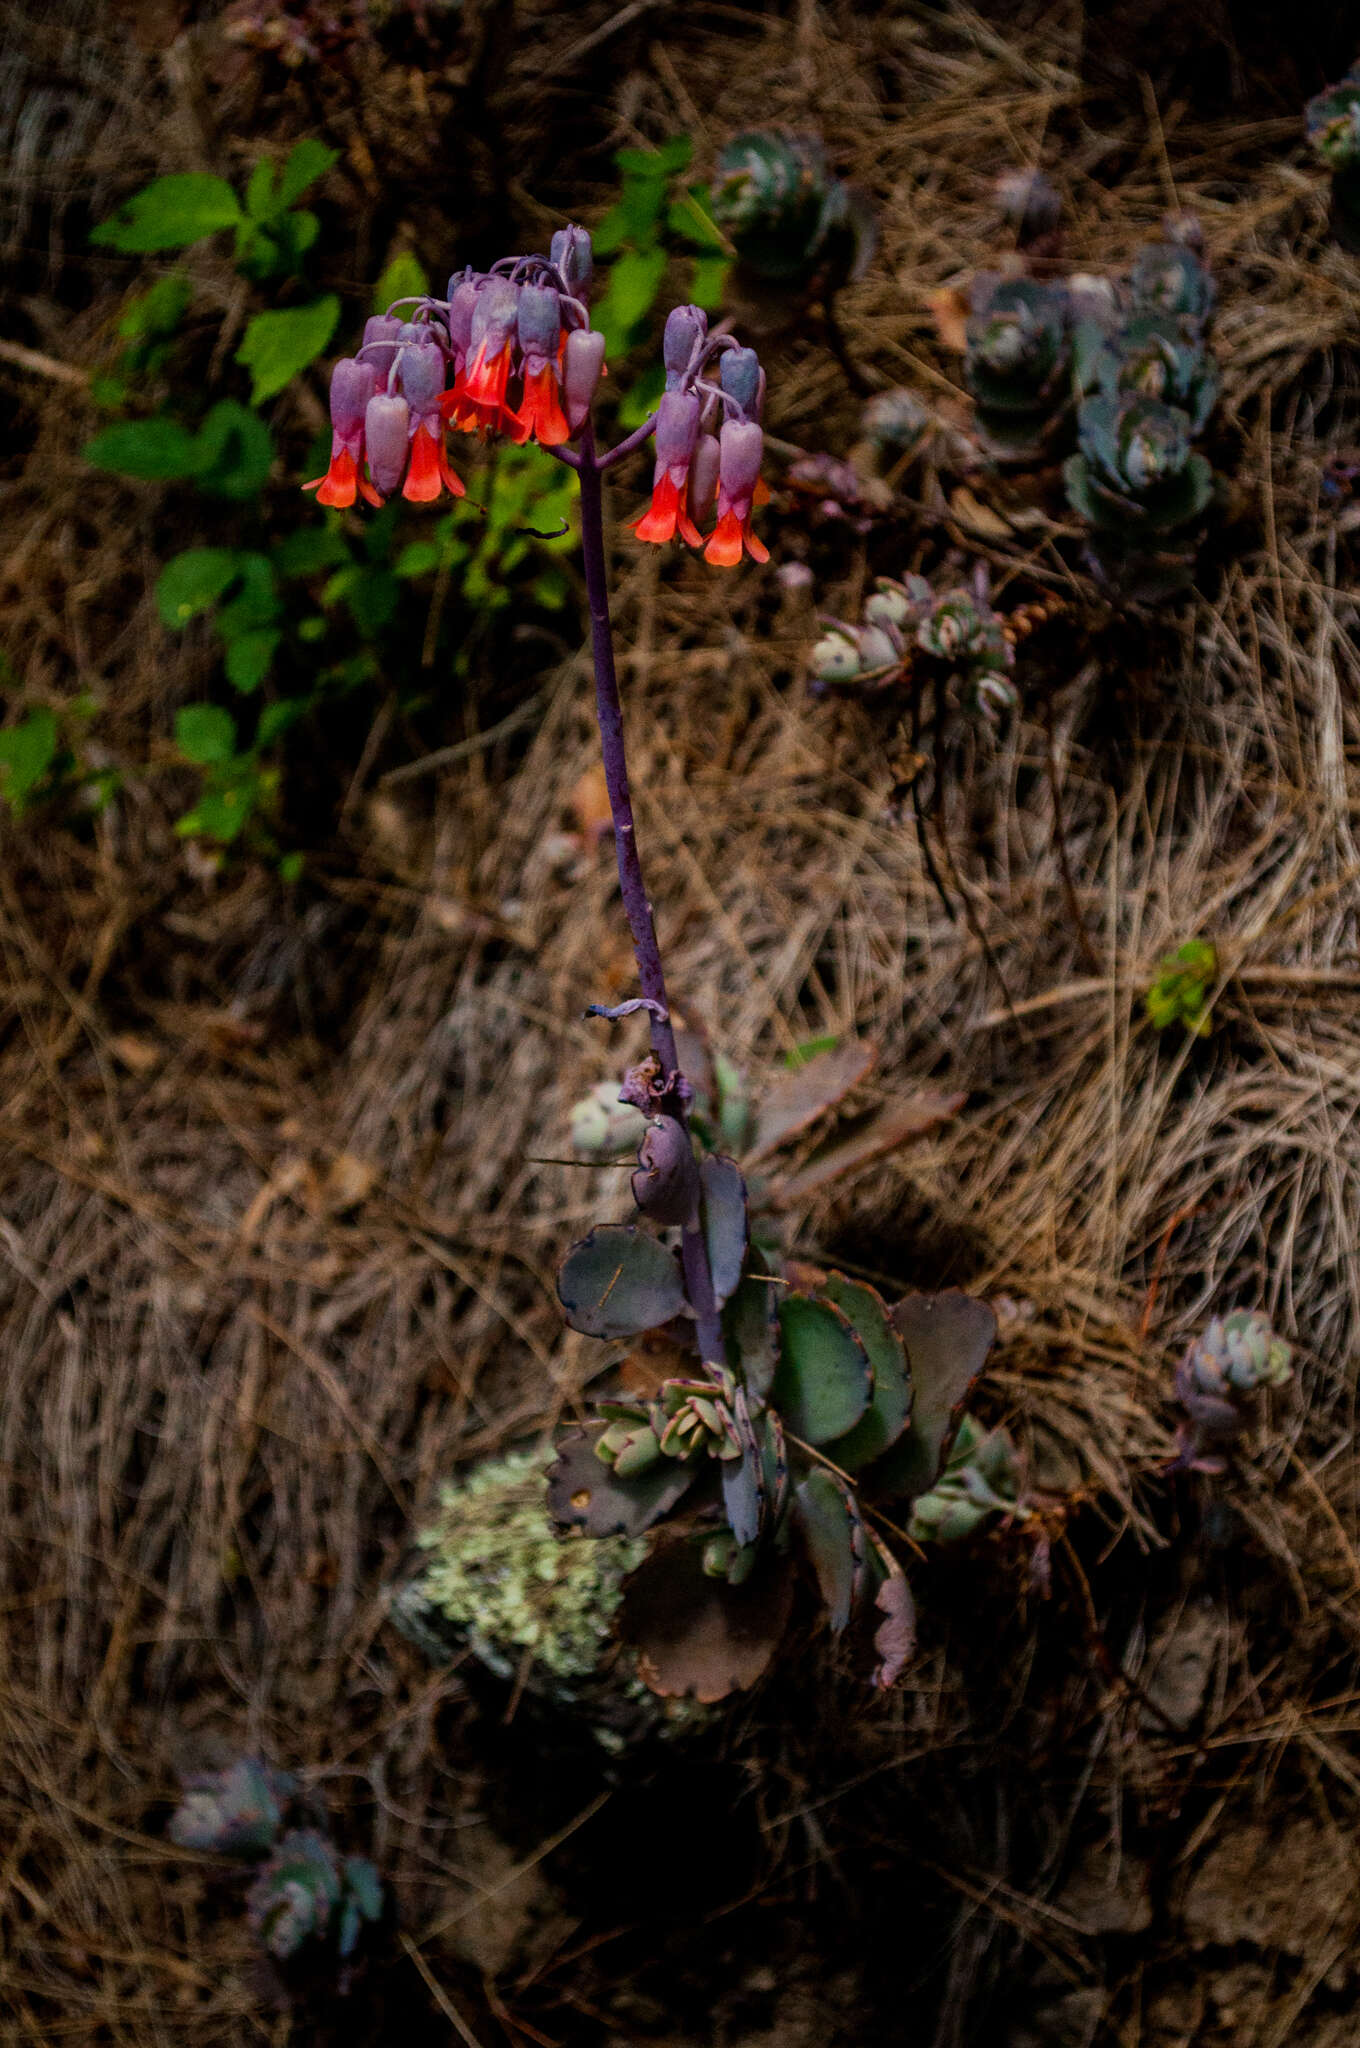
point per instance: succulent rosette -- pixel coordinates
(1236, 1358)
(1017, 354)
(1169, 280)
(1333, 125)
(1136, 478)
(1154, 356)
(787, 217)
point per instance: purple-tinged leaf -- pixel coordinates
(700, 1638)
(947, 1337)
(725, 1223)
(586, 1494)
(666, 1184)
(743, 1479)
(751, 1328)
(895, 1636)
(619, 1281)
(894, 1126)
(796, 1099)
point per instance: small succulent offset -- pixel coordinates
(980, 1481)
(903, 619)
(1218, 1382)
(1140, 484)
(1016, 366)
(1333, 123)
(305, 1893)
(1183, 988)
(303, 1890)
(1153, 355)
(788, 219)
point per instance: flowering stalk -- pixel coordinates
(511, 352)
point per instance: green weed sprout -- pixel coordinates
(1180, 993)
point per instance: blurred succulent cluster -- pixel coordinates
(904, 619)
(1017, 364)
(303, 32)
(981, 1480)
(1146, 385)
(789, 220)
(1333, 123)
(304, 1891)
(751, 1472)
(1183, 986)
(1218, 1382)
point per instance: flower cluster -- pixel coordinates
(511, 352)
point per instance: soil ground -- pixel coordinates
(278, 1208)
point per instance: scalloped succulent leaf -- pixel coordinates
(586, 1494)
(796, 1099)
(947, 1337)
(618, 1281)
(292, 1899)
(824, 1381)
(743, 1479)
(885, 1131)
(833, 1530)
(884, 1420)
(726, 1228)
(235, 1812)
(701, 1638)
(751, 1327)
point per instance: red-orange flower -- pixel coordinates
(666, 515)
(429, 470)
(540, 416)
(741, 445)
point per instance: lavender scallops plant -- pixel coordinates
(788, 1400)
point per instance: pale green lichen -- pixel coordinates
(501, 1582)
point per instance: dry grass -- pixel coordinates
(276, 1248)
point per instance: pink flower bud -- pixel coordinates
(582, 368)
(387, 434)
(740, 447)
(352, 385)
(462, 300)
(743, 380)
(539, 323)
(493, 317)
(419, 375)
(686, 327)
(677, 430)
(570, 249)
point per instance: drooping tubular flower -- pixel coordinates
(677, 435)
(352, 385)
(419, 373)
(739, 451)
(539, 332)
(478, 395)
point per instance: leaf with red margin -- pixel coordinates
(796, 1099)
(586, 1494)
(947, 1337)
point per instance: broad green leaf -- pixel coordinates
(205, 734)
(884, 1420)
(823, 1382)
(27, 751)
(834, 1534)
(235, 451)
(417, 558)
(671, 157)
(277, 345)
(688, 216)
(221, 813)
(277, 719)
(618, 1281)
(190, 582)
(404, 278)
(307, 161)
(257, 603)
(309, 550)
(155, 451)
(708, 283)
(248, 659)
(169, 214)
(260, 200)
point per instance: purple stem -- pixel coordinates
(636, 903)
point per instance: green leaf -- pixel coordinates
(708, 285)
(688, 217)
(277, 719)
(672, 156)
(618, 1281)
(277, 345)
(290, 867)
(634, 283)
(169, 214)
(190, 582)
(417, 558)
(834, 1534)
(261, 203)
(308, 551)
(371, 595)
(643, 397)
(235, 451)
(155, 451)
(27, 751)
(221, 813)
(205, 734)
(823, 1382)
(725, 1223)
(249, 657)
(307, 161)
(257, 603)
(155, 314)
(884, 1420)
(404, 278)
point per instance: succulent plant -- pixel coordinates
(894, 422)
(1152, 356)
(1333, 124)
(1136, 479)
(906, 618)
(788, 219)
(1218, 1381)
(292, 1899)
(1018, 349)
(233, 1812)
(980, 1480)
(1181, 992)
(1168, 280)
